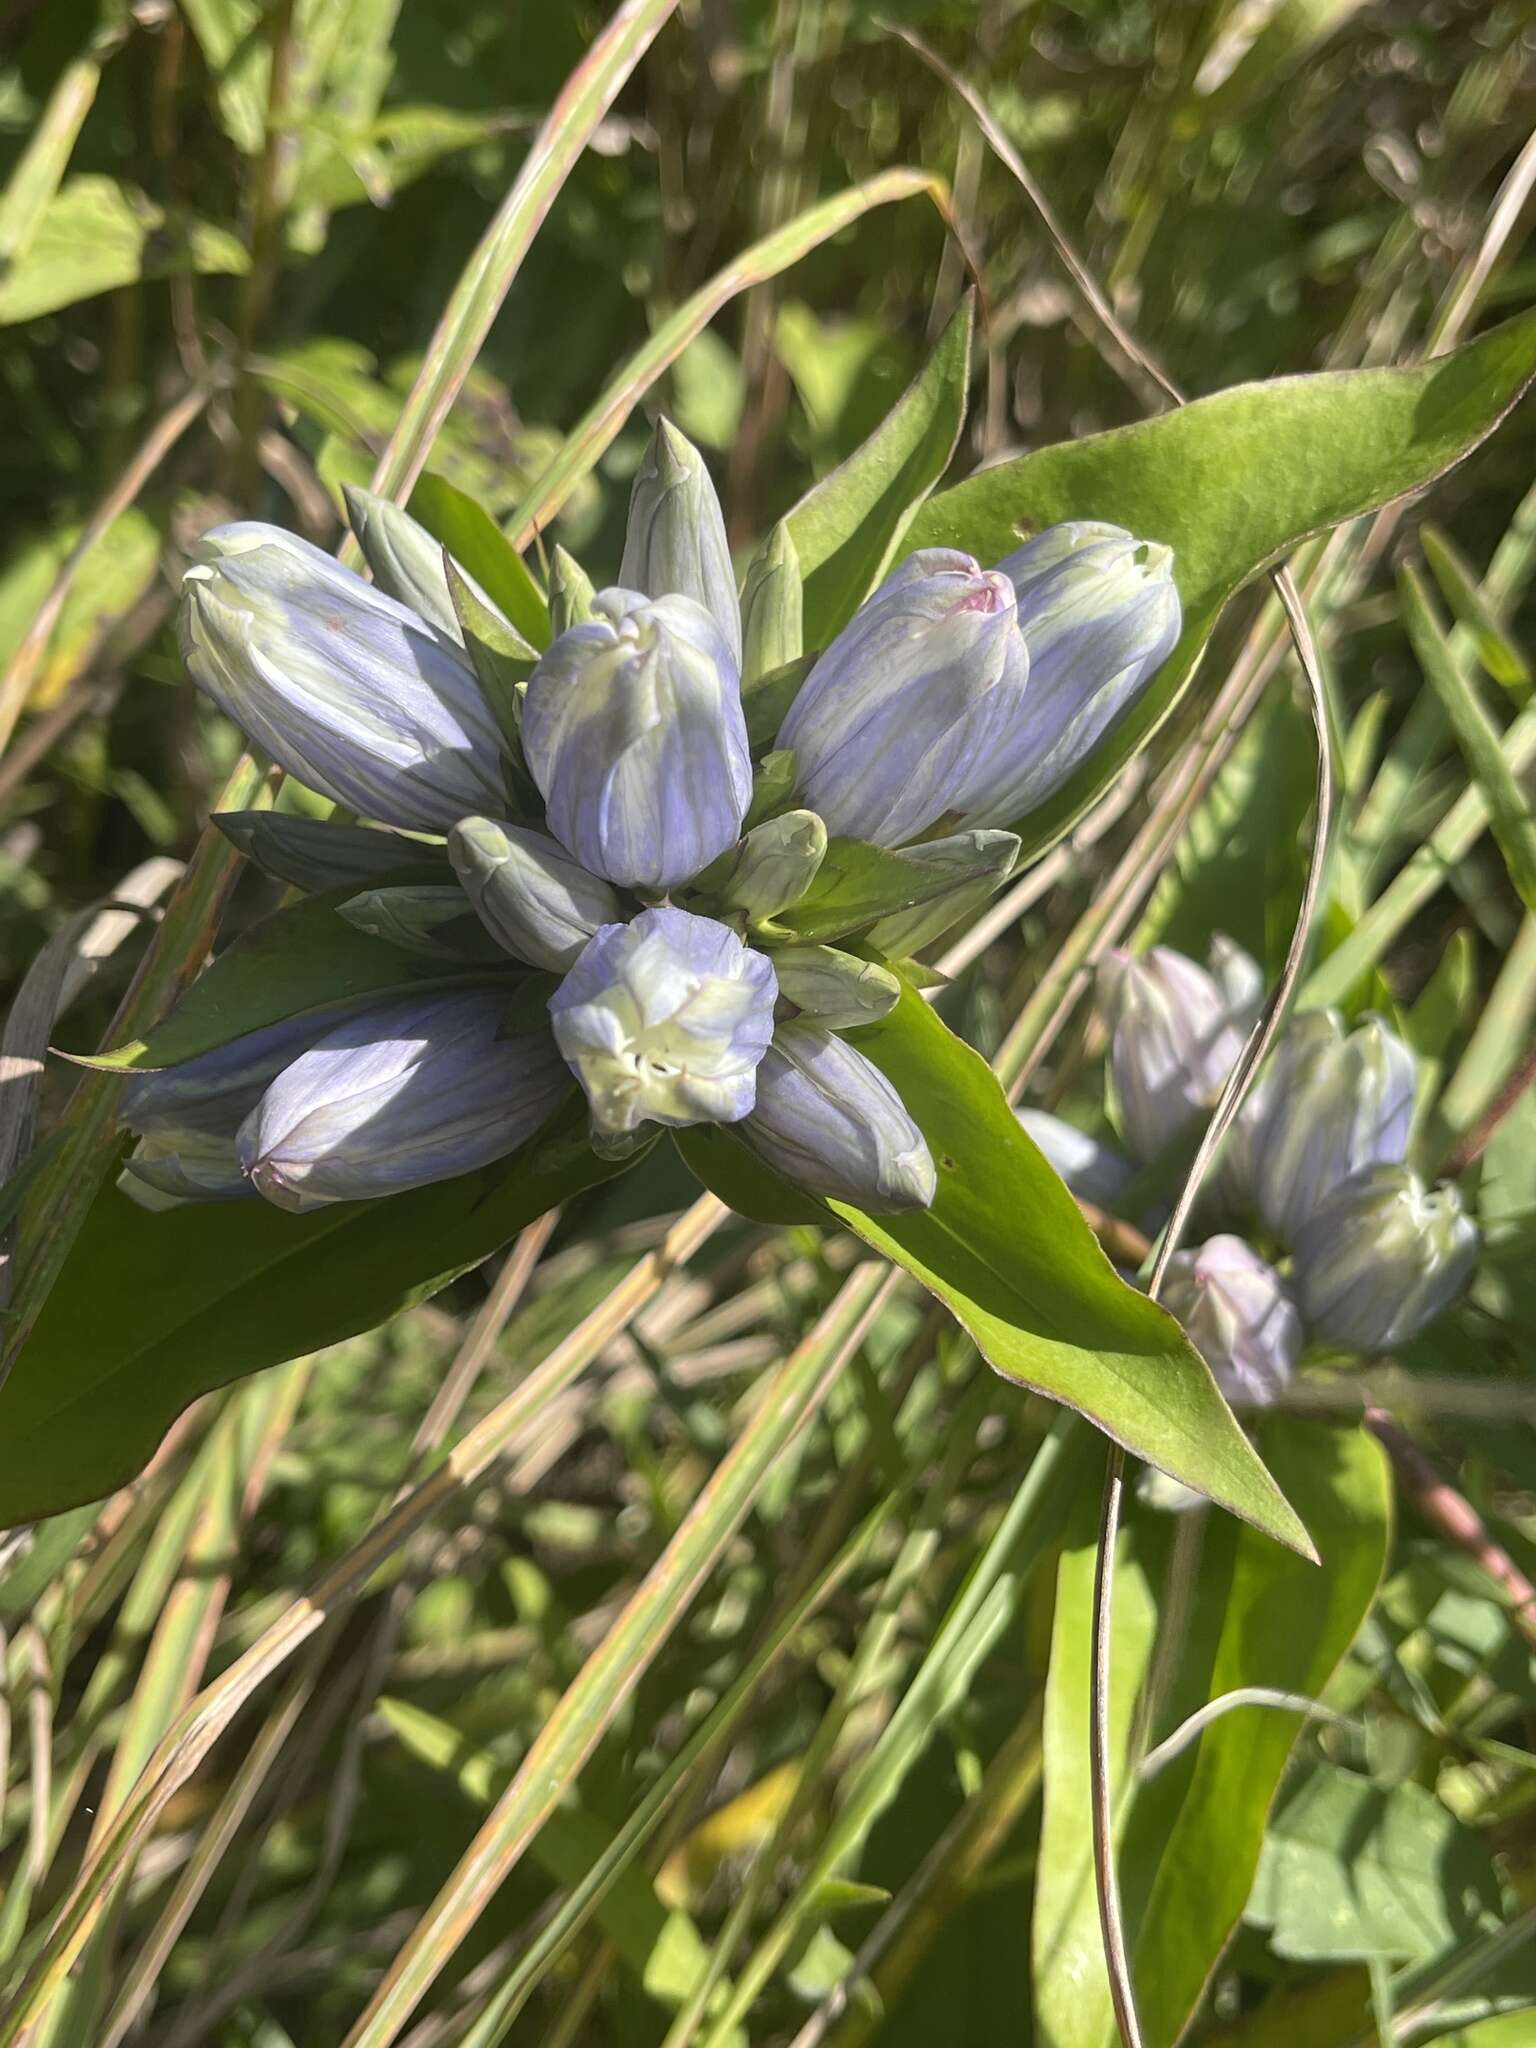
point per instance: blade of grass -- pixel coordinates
(489, 275)
(1482, 746)
(588, 1707)
(188, 1743)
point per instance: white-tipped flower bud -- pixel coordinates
(665, 1020)
(1239, 1318)
(1334, 1105)
(1381, 1258)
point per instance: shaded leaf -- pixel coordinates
(95, 235)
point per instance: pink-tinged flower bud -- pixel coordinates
(350, 691)
(1381, 1258)
(1099, 613)
(901, 719)
(1239, 1318)
(1174, 1040)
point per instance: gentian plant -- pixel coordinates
(627, 892)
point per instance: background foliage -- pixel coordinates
(728, 1704)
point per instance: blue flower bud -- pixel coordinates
(1381, 1258)
(532, 898)
(665, 1020)
(407, 563)
(633, 731)
(901, 719)
(1334, 1105)
(675, 544)
(345, 688)
(1099, 612)
(415, 1090)
(1239, 1318)
(1175, 1039)
(1089, 1167)
(211, 1095)
(829, 1120)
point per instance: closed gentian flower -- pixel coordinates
(1090, 1168)
(1174, 1042)
(900, 721)
(414, 1090)
(675, 544)
(1381, 1258)
(1239, 1317)
(829, 1120)
(1099, 612)
(532, 898)
(1334, 1105)
(633, 730)
(665, 1020)
(211, 1094)
(347, 689)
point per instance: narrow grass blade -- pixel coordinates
(477, 298)
(774, 253)
(1509, 815)
(611, 1673)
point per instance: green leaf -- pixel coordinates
(153, 1310)
(1072, 2008)
(1352, 1871)
(858, 883)
(847, 529)
(1480, 740)
(315, 853)
(95, 235)
(1458, 583)
(479, 546)
(1006, 1248)
(1232, 483)
(1503, 2030)
(299, 958)
(729, 1168)
(1193, 1841)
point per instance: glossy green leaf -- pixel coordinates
(729, 1168)
(478, 545)
(1193, 1841)
(848, 528)
(858, 883)
(1006, 1248)
(152, 1310)
(299, 958)
(1232, 483)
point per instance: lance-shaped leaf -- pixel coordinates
(1005, 1247)
(1231, 484)
(315, 853)
(857, 883)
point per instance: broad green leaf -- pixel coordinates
(1193, 1841)
(94, 235)
(319, 853)
(1072, 2008)
(847, 529)
(1351, 1871)
(153, 1310)
(728, 1167)
(299, 958)
(123, 566)
(1006, 1248)
(1232, 483)
(479, 546)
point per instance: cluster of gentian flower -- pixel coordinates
(614, 886)
(1314, 1167)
